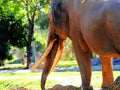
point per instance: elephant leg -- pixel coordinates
(83, 60)
(107, 71)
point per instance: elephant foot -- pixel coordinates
(86, 88)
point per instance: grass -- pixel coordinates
(20, 66)
(67, 63)
(12, 66)
(32, 80)
(28, 80)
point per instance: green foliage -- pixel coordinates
(32, 8)
(17, 34)
(94, 55)
(42, 21)
(4, 46)
(11, 29)
(68, 51)
(40, 40)
(12, 7)
(18, 18)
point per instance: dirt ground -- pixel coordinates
(70, 87)
(56, 87)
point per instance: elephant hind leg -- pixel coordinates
(107, 71)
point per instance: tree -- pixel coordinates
(32, 8)
(12, 32)
(42, 21)
(24, 9)
(4, 46)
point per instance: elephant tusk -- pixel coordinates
(44, 56)
(57, 58)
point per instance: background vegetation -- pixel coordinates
(24, 29)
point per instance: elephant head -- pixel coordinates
(58, 31)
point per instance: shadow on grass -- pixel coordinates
(12, 67)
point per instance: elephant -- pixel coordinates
(92, 26)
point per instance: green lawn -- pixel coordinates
(20, 66)
(67, 63)
(32, 80)
(12, 66)
(28, 80)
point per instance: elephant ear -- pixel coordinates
(56, 13)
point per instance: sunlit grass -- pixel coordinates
(39, 74)
(32, 80)
(67, 63)
(20, 66)
(27, 82)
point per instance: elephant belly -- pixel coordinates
(104, 48)
(101, 30)
(99, 42)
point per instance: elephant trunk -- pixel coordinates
(58, 55)
(51, 59)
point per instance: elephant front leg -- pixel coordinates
(107, 71)
(83, 60)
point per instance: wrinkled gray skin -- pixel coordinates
(92, 26)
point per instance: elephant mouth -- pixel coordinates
(49, 48)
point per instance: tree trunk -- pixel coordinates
(30, 37)
(29, 56)
(29, 47)
(23, 58)
(2, 63)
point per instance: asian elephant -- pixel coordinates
(92, 26)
